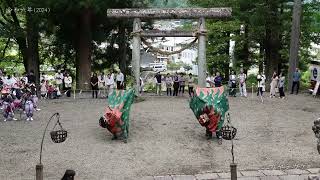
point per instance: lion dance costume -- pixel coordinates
(210, 105)
(116, 117)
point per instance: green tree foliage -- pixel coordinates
(265, 37)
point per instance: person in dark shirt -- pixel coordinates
(218, 80)
(94, 85)
(158, 83)
(176, 84)
(31, 78)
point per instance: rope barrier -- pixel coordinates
(160, 51)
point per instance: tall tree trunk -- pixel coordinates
(227, 68)
(33, 62)
(123, 56)
(272, 41)
(22, 43)
(246, 63)
(83, 49)
(261, 57)
(294, 43)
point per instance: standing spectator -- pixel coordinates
(175, 85)
(68, 84)
(43, 89)
(169, 84)
(296, 81)
(242, 83)
(2, 80)
(218, 80)
(120, 80)
(10, 81)
(94, 85)
(208, 81)
(273, 85)
(16, 77)
(31, 78)
(232, 84)
(190, 85)
(141, 84)
(182, 84)
(101, 83)
(158, 78)
(59, 79)
(25, 78)
(109, 81)
(281, 83)
(261, 84)
(43, 77)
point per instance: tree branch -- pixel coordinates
(13, 13)
(4, 15)
(2, 23)
(5, 48)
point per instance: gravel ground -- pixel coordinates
(165, 138)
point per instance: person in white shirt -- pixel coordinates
(232, 84)
(24, 78)
(209, 81)
(10, 81)
(261, 84)
(59, 79)
(273, 84)
(43, 77)
(242, 83)
(43, 89)
(109, 81)
(141, 85)
(120, 80)
(101, 80)
(68, 84)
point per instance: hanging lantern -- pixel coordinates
(60, 135)
(228, 131)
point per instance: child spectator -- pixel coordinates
(43, 89)
(169, 83)
(51, 92)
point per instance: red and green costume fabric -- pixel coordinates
(210, 105)
(118, 110)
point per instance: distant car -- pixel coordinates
(159, 68)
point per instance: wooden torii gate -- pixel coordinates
(170, 13)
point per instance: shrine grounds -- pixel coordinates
(164, 138)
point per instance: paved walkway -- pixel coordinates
(291, 174)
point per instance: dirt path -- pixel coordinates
(165, 138)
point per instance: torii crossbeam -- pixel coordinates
(170, 13)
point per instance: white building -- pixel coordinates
(176, 43)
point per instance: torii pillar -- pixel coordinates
(136, 46)
(169, 13)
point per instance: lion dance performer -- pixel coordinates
(210, 105)
(116, 117)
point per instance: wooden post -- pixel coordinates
(39, 172)
(136, 44)
(233, 171)
(202, 54)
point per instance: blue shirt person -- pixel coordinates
(296, 81)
